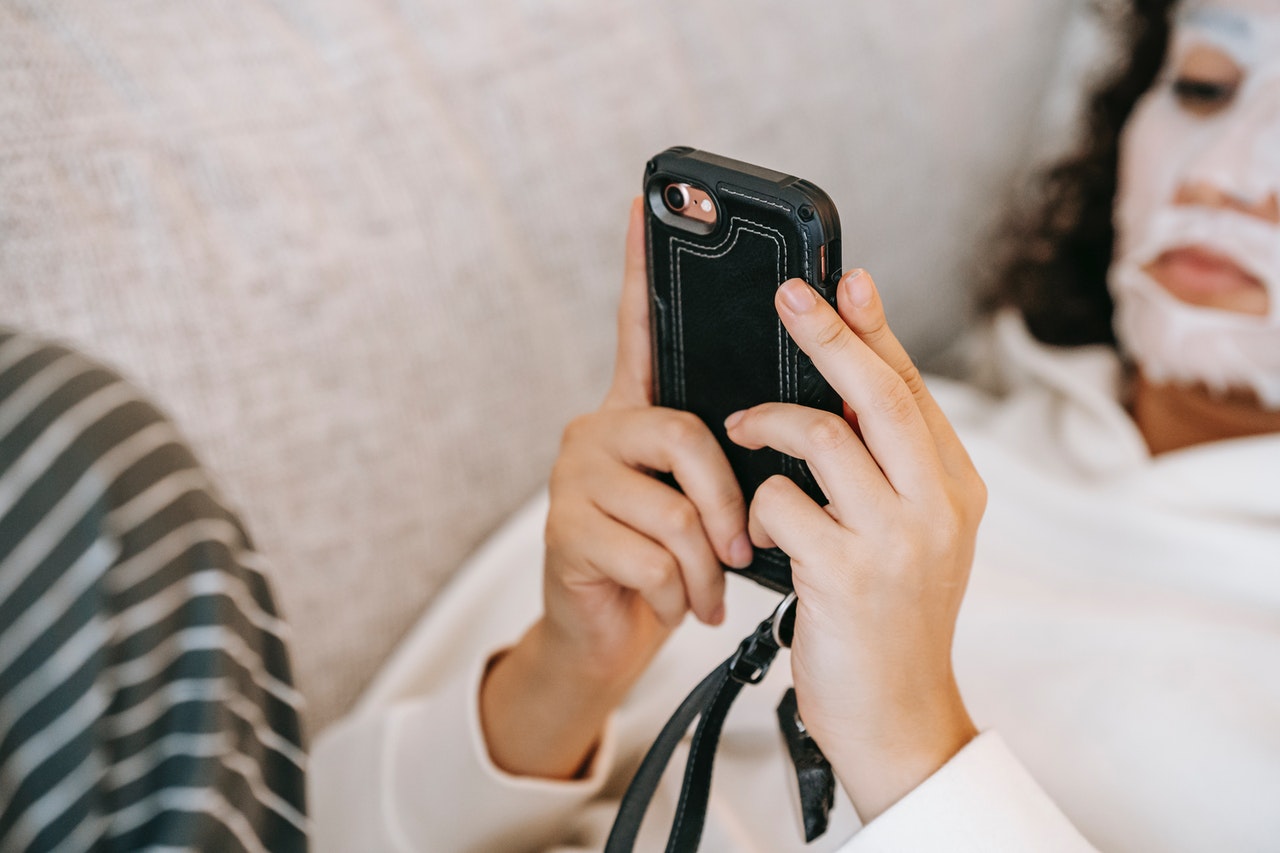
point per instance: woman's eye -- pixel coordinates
(1203, 97)
(1205, 79)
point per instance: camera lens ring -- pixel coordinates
(676, 197)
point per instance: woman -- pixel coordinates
(1123, 619)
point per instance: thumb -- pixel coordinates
(632, 369)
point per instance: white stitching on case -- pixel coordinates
(804, 234)
(736, 227)
(788, 357)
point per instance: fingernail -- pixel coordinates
(717, 615)
(734, 419)
(861, 290)
(798, 296)
(740, 552)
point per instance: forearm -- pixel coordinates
(542, 713)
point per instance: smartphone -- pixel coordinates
(721, 237)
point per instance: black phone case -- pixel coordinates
(718, 345)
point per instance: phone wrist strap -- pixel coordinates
(709, 703)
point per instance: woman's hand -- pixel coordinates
(627, 556)
(881, 570)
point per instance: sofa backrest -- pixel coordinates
(367, 254)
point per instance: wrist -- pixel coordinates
(607, 647)
(895, 749)
(541, 714)
(580, 673)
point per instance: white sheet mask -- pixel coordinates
(1235, 150)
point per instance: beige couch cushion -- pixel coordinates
(367, 253)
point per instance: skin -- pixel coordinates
(1174, 417)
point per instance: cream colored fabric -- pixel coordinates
(367, 251)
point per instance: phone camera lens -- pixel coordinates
(676, 197)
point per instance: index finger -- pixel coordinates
(859, 304)
(889, 418)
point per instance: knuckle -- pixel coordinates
(672, 615)
(876, 331)
(826, 433)
(681, 517)
(833, 336)
(770, 491)
(658, 571)
(977, 488)
(681, 429)
(576, 431)
(911, 376)
(892, 397)
(967, 497)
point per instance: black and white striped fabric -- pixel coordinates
(145, 691)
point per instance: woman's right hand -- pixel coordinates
(626, 556)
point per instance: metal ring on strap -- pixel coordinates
(778, 615)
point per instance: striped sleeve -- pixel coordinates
(146, 700)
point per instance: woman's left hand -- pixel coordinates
(881, 570)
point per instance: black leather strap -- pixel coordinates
(626, 826)
(710, 702)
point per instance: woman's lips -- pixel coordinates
(1201, 276)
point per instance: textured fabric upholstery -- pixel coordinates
(366, 252)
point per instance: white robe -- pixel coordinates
(1120, 637)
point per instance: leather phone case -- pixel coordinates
(718, 345)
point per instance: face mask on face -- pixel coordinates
(1196, 274)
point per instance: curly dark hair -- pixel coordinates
(1057, 258)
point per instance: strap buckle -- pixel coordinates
(751, 661)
